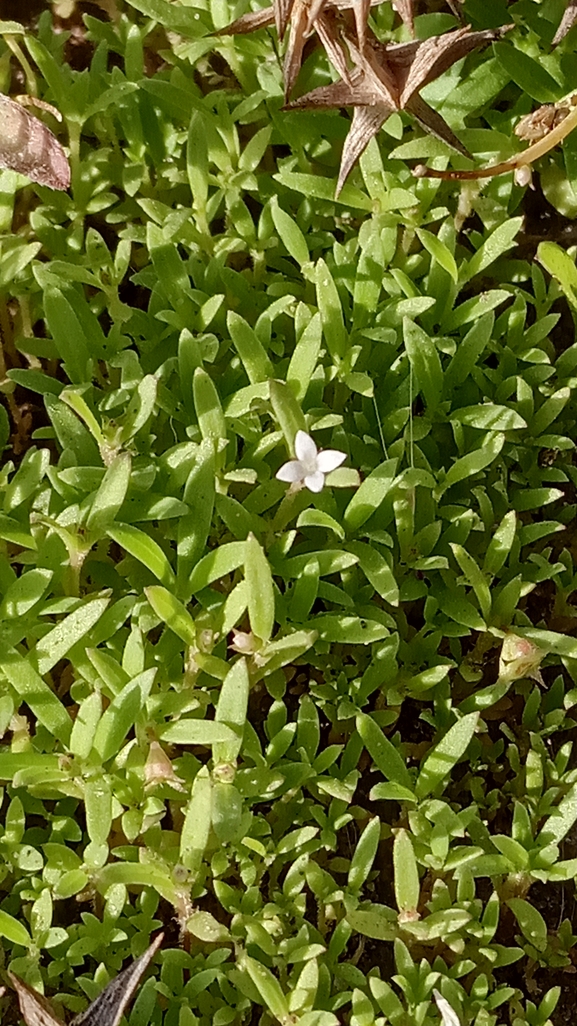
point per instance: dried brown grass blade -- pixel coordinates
(106, 1010)
(567, 22)
(35, 1009)
(282, 13)
(248, 23)
(367, 121)
(432, 122)
(405, 10)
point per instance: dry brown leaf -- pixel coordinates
(29, 147)
(106, 1010)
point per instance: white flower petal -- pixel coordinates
(305, 448)
(330, 459)
(449, 1016)
(291, 471)
(315, 482)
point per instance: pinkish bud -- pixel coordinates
(158, 769)
(520, 658)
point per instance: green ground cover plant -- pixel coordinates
(322, 738)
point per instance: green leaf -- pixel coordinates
(268, 988)
(500, 240)
(382, 751)
(549, 411)
(140, 408)
(456, 606)
(391, 793)
(321, 188)
(341, 628)
(282, 651)
(197, 162)
(360, 382)
(85, 724)
(121, 715)
(529, 74)
(226, 812)
(439, 924)
(512, 850)
(329, 305)
(75, 400)
(475, 577)
(474, 461)
(287, 412)
(31, 689)
(111, 493)
(208, 408)
(13, 931)
(501, 543)
(24, 593)
(71, 432)
(489, 417)
(446, 754)
(144, 549)
(98, 807)
(27, 478)
(330, 561)
(188, 731)
(531, 922)
(425, 362)
(254, 358)
(305, 358)
(54, 645)
(174, 614)
(535, 498)
(206, 928)
(260, 590)
(558, 824)
(290, 234)
(199, 495)
(370, 495)
(216, 564)
(317, 518)
(379, 925)
(177, 19)
(377, 571)
(61, 308)
(364, 854)
(11, 530)
(439, 252)
(196, 827)
(428, 678)
(134, 874)
(560, 265)
(406, 873)
(469, 349)
(231, 710)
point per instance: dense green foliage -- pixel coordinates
(273, 720)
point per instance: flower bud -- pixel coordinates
(520, 658)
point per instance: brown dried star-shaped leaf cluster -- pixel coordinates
(376, 78)
(388, 77)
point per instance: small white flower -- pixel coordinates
(310, 466)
